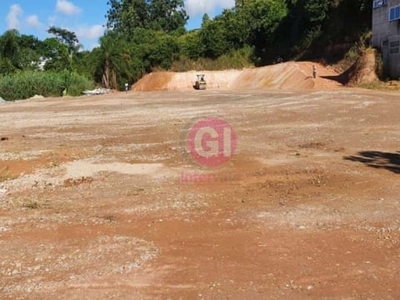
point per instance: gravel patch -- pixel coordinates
(118, 254)
(26, 155)
(47, 178)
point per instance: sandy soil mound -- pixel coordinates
(289, 75)
(185, 81)
(154, 81)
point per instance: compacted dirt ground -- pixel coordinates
(100, 199)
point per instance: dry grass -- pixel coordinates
(5, 174)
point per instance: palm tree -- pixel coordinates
(115, 60)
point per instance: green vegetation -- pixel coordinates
(147, 35)
(31, 67)
(23, 85)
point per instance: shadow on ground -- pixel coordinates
(378, 160)
(341, 78)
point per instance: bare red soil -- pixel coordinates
(94, 203)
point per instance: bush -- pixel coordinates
(235, 59)
(24, 85)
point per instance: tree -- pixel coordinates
(164, 51)
(111, 60)
(241, 3)
(85, 63)
(213, 38)
(262, 17)
(66, 37)
(311, 25)
(116, 62)
(31, 51)
(206, 18)
(191, 45)
(348, 18)
(56, 56)
(167, 15)
(237, 27)
(124, 16)
(10, 52)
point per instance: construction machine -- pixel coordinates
(200, 83)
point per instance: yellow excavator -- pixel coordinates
(200, 83)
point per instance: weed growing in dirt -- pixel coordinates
(31, 204)
(110, 218)
(5, 174)
(54, 164)
(379, 85)
(372, 86)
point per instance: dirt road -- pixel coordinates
(99, 197)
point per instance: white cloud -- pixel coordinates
(67, 8)
(13, 16)
(33, 21)
(200, 7)
(90, 32)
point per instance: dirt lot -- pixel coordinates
(93, 205)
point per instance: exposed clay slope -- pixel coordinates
(289, 75)
(364, 70)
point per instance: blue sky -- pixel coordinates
(85, 17)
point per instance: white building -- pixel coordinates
(386, 33)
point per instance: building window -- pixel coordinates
(379, 3)
(394, 13)
(395, 44)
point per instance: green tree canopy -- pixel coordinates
(66, 37)
(56, 55)
(10, 52)
(118, 62)
(124, 16)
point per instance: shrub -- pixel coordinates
(24, 85)
(235, 59)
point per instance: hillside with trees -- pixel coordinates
(147, 35)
